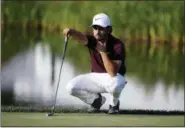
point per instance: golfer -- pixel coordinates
(107, 55)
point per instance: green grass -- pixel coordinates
(84, 119)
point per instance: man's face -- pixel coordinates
(100, 33)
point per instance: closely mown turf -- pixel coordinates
(84, 119)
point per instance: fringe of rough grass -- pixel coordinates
(70, 109)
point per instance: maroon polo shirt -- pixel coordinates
(116, 50)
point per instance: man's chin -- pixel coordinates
(99, 39)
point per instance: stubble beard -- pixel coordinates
(101, 39)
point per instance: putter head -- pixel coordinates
(49, 114)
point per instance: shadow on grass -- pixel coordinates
(69, 109)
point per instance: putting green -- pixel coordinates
(84, 119)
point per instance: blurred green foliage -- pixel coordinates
(162, 20)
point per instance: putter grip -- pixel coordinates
(66, 39)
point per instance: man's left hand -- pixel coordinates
(101, 47)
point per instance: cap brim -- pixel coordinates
(97, 25)
(90, 25)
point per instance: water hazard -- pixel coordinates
(31, 63)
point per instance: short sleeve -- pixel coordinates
(118, 52)
(91, 42)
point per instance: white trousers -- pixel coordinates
(86, 87)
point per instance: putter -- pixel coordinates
(63, 56)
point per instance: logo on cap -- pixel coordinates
(98, 18)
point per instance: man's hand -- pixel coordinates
(101, 47)
(66, 32)
(76, 34)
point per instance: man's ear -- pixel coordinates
(110, 29)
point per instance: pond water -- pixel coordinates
(31, 61)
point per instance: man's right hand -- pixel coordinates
(76, 34)
(66, 32)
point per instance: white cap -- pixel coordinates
(101, 19)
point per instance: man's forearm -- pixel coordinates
(78, 35)
(74, 33)
(110, 66)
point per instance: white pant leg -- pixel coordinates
(85, 87)
(115, 88)
(88, 85)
